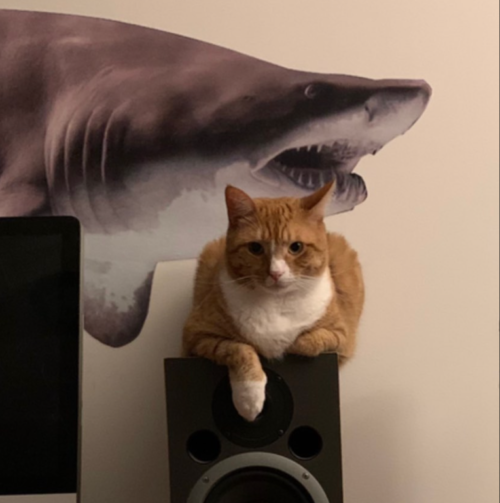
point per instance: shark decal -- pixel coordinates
(136, 132)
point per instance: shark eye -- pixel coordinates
(255, 248)
(296, 248)
(312, 91)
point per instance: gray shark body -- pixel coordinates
(136, 132)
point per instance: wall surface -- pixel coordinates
(420, 401)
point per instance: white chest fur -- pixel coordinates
(272, 321)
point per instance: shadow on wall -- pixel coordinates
(136, 132)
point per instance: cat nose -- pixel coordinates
(276, 275)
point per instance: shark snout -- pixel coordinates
(395, 108)
(402, 91)
(422, 88)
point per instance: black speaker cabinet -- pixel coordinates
(290, 454)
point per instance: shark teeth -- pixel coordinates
(339, 151)
(313, 148)
(308, 178)
(311, 166)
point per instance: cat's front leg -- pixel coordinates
(248, 379)
(315, 342)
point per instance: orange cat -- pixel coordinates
(278, 283)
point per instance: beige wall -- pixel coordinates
(420, 402)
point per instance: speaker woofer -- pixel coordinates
(258, 485)
(257, 477)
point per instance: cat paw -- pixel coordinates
(249, 398)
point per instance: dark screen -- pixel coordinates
(39, 356)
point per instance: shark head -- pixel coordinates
(298, 131)
(271, 131)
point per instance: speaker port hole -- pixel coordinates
(204, 446)
(305, 443)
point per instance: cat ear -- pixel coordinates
(240, 206)
(316, 203)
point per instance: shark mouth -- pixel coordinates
(311, 167)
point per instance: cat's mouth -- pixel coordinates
(311, 167)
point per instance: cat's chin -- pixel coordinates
(277, 288)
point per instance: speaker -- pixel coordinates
(290, 454)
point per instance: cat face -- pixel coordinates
(276, 244)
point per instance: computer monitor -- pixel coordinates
(40, 351)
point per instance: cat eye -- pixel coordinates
(296, 248)
(255, 248)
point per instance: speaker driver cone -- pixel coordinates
(257, 477)
(258, 485)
